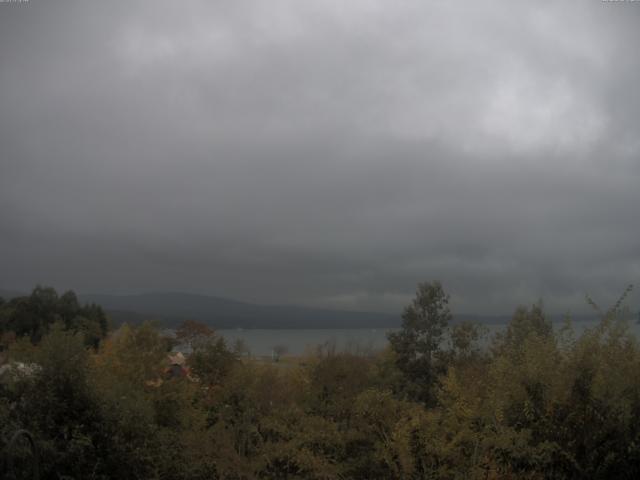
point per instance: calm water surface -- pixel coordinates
(301, 341)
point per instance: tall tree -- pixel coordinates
(417, 344)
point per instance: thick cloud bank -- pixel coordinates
(329, 153)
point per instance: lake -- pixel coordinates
(300, 341)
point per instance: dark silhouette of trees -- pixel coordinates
(417, 345)
(33, 315)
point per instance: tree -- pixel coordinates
(524, 323)
(33, 316)
(278, 351)
(417, 344)
(192, 333)
(211, 361)
(57, 405)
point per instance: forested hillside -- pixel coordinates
(538, 403)
(170, 308)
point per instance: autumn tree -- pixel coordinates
(192, 332)
(211, 361)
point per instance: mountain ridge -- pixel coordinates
(171, 308)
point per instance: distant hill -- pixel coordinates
(171, 308)
(119, 317)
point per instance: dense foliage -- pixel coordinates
(32, 316)
(533, 402)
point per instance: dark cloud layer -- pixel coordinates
(326, 153)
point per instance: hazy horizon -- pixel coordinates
(555, 315)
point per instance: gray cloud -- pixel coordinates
(323, 153)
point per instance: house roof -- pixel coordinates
(177, 359)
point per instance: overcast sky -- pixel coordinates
(327, 153)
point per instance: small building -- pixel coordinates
(177, 366)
